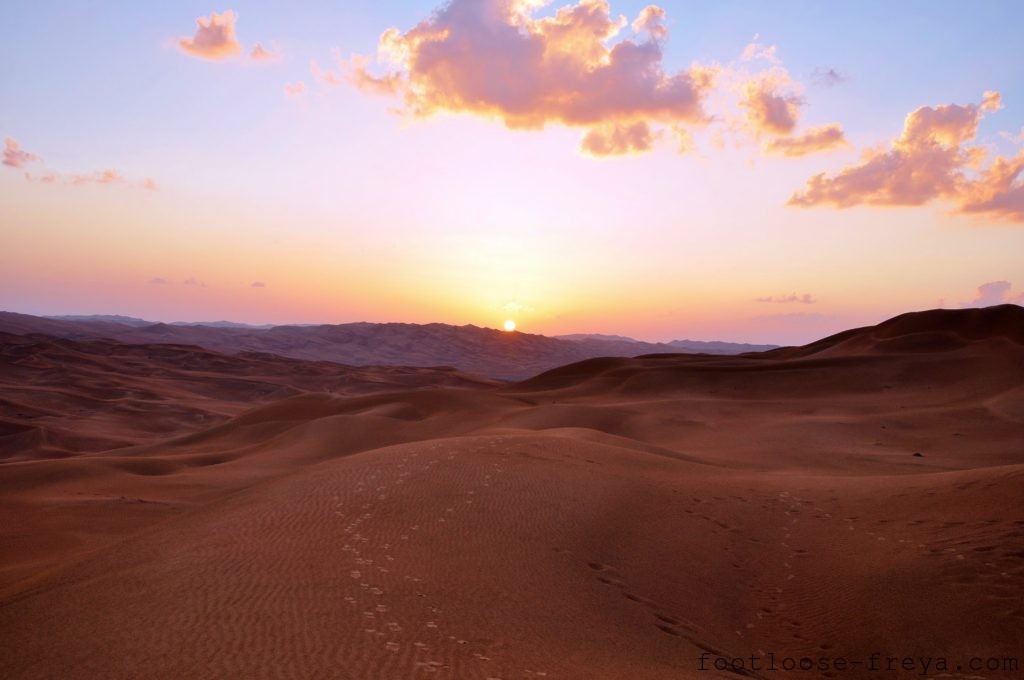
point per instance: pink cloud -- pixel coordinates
(755, 50)
(295, 89)
(109, 176)
(813, 140)
(929, 160)
(15, 156)
(998, 192)
(769, 108)
(617, 139)
(995, 293)
(496, 59)
(651, 20)
(260, 53)
(771, 105)
(214, 38)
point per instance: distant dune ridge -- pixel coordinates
(484, 351)
(611, 518)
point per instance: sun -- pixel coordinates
(510, 325)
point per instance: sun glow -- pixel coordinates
(510, 325)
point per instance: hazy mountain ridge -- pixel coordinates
(706, 346)
(483, 351)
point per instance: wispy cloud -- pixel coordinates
(257, 284)
(814, 140)
(15, 156)
(828, 77)
(804, 299)
(260, 53)
(295, 89)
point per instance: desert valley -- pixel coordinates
(179, 512)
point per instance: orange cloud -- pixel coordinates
(260, 53)
(755, 50)
(15, 156)
(494, 58)
(771, 105)
(769, 109)
(651, 20)
(928, 161)
(617, 139)
(999, 192)
(814, 140)
(295, 89)
(214, 38)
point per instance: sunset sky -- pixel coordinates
(764, 172)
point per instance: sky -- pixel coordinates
(760, 172)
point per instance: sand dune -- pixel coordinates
(59, 397)
(614, 518)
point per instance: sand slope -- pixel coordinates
(609, 519)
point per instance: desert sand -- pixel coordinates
(614, 518)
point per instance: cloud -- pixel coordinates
(160, 281)
(651, 21)
(998, 192)
(928, 161)
(771, 102)
(769, 109)
(514, 307)
(214, 38)
(295, 89)
(805, 299)
(260, 53)
(815, 139)
(827, 77)
(617, 139)
(494, 58)
(995, 293)
(109, 176)
(755, 50)
(15, 156)
(257, 284)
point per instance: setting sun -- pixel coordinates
(510, 325)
